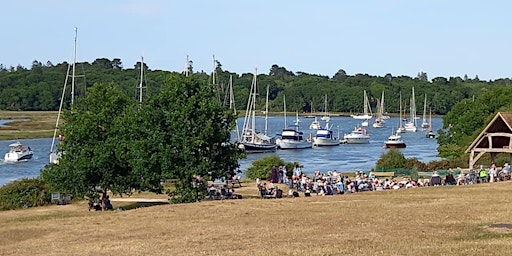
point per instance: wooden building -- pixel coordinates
(494, 139)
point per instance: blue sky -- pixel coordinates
(402, 37)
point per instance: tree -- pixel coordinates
(392, 159)
(195, 129)
(111, 143)
(422, 76)
(95, 147)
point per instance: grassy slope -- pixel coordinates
(422, 221)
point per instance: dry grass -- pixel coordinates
(424, 221)
(28, 124)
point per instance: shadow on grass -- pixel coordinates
(131, 206)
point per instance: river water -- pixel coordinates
(346, 157)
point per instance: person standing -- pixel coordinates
(273, 174)
(493, 173)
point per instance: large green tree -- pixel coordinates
(114, 143)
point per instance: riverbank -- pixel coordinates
(27, 124)
(452, 220)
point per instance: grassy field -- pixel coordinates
(456, 220)
(28, 124)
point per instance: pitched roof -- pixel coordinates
(501, 123)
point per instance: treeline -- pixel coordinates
(40, 87)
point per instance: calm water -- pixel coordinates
(348, 157)
(345, 157)
(29, 168)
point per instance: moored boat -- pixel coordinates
(357, 136)
(325, 137)
(367, 111)
(315, 125)
(252, 140)
(293, 138)
(394, 141)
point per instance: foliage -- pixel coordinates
(24, 193)
(414, 164)
(40, 87)
(468, 117)
(392, 159)
(262, 167)
(113, 143)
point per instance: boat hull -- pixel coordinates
(257, 148)
(359, 140)
(395, 145)
(361, 116)
(325, 142)
(293, 144)
(15, 157)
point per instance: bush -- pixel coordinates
(415, 164)
(262, 167)
(391, 160)
(24, 193)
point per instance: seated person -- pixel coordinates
(307, 193)
(461, 180)
(108, 205)
(449, 179)
(504, 172)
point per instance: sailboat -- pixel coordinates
(233, 108)
(425, 124)
(367, 114)
(326, 116)
(54, 153)
(379, 120)
(410, 126)
(315, 125)
(312, 112)
(253, 141)
(291, 136)
(401, 127)
(430, 133)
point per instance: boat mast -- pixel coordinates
(425, 110)
(266, 112)
(253, 125)
(284, 104)
(413, 108)
(187, 66)
(232, 106)
(400, 115)
(141, 77)
(73, 74)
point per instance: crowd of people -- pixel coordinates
(334, 182)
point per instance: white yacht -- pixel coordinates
(325, 137)
(293, 138)
(18, 152)
(357, 136)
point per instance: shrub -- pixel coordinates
(392, 159)
(262, 167)
(24, 193)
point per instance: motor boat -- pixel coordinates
(18, 152)
(357, 136)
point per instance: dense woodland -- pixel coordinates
(40, 86)
(466, 103)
